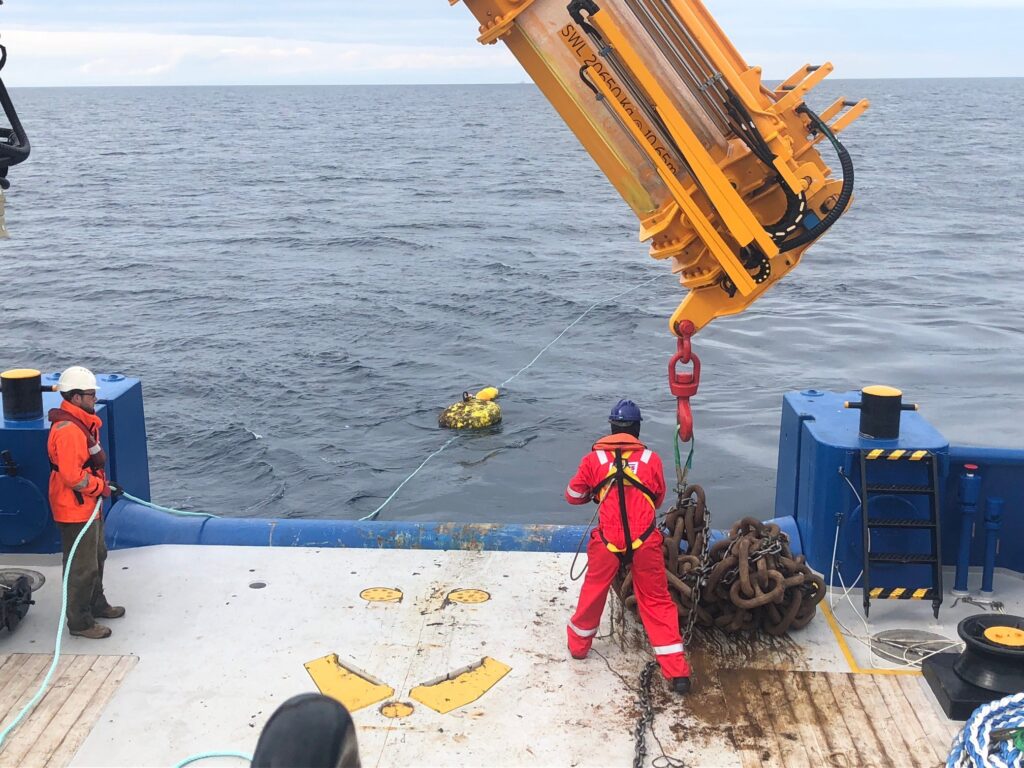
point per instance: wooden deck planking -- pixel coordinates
(830, 718)
(60, 721)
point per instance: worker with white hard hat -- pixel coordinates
(77, 480)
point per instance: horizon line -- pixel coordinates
(481, 85)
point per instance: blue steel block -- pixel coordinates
(819, 443)
(25, 524)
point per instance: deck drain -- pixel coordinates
(10, 575)
(904, 646)
(396, 709)
(257, 584)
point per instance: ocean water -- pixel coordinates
(303, 277)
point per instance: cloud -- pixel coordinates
(69, 57)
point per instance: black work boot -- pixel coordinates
(681, 684)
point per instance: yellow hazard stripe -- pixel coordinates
(899, 593)
(896, 455)
(918, 455)
(875, 453)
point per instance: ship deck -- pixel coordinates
(205, 655)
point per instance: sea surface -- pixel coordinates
(303, 277)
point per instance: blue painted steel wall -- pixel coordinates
(818, 437)
(26, 524)
(1002, 476)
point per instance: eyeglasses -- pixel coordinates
(89, 394)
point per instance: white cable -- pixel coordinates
(589, 309)
(595, 305)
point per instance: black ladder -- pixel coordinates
(933, 592)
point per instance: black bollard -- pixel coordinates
(22, 394)
(880, 408)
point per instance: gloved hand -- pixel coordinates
(114, 491)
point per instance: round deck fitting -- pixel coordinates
(468, 596)
(396, 709)
(10, 575)
(381, 595)
(1010, 637)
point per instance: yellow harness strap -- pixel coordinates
(630, 477)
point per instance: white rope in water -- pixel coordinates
(591, 308)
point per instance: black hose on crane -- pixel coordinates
(845, 194)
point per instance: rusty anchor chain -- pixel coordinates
(748, 581)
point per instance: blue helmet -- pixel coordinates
(626, 411)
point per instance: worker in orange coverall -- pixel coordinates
(626, 479)
(77, 481)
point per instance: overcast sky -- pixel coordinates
(206, 42)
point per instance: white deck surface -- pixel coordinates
(216, 657)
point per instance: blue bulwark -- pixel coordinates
(819, 451)
(26, 524)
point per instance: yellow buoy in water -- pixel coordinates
(474, 412)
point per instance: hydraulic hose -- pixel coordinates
(845, 194)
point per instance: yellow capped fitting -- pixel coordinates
(1009, 637)
(487, 393)
(471, 413)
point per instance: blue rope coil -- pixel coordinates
(973, 747)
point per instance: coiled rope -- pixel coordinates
(975, 747)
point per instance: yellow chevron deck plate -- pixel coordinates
(352, 688)
(461, 687)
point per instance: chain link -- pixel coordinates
(646, 719)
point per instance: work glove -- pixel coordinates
(115, 491)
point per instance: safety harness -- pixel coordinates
(620, 473)
(97, 457)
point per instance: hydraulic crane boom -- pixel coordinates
(723, 172)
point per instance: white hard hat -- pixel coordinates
(77, 377)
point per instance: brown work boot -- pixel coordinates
(110, 612)
(95, 632)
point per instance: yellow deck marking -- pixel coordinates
(875, 453)
(855, 668)
(919, 594)
(1011, 637)
(353, 689)
(918, 455)
(896, 455)
(469, 596)
(460, 687)
(896, 593)
(396, 709)
(382, 595)
(876, 592)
